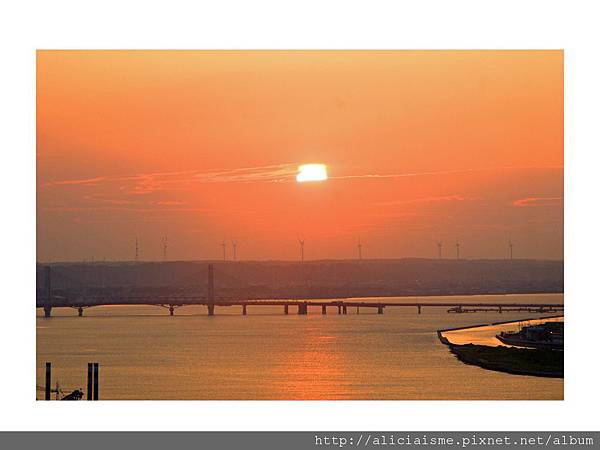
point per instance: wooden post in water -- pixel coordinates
(90, 379)
(48, 380)
(96, 384)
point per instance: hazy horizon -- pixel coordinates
(306, 261)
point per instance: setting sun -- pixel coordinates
(311, 172)
(402, 148)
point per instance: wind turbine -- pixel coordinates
(234, 244)
(439, 246)
(510, 247)
(457, 249)
(224, 245)
(301, 242)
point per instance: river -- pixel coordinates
(146, 354)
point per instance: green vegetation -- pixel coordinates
(523, 361)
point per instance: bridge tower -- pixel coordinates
(48, 293)
(211, 291)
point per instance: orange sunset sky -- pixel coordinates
(203, 146)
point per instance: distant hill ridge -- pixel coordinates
(410, 276)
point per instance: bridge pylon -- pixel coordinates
(48, 293)
(211, 291)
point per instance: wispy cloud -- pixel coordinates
(168, 203)
(82, 182)
(124, 208)
(444, 172)
(538, 201)
(272, 173)
(146, 183)
(445, 198)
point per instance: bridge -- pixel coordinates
(48, 301)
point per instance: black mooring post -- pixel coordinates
(95, 381)
(89, 384)
(48, 380)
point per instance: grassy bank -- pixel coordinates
(521, 361)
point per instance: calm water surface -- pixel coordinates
(146, 354)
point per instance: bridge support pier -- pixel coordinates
(48, 289)
(286, 309)
(171, 310)
(80, 311)
(344, 309)
(244, 312)
(500, 309)
(339, 309)
(211, 291)
(418, 309)
(323, 309)
(357, 310)
(303, 309)
(380, 310)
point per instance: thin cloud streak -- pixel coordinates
(150, 182)
(445, 198)
(538, 201)
(443, 172)
(82, 182)
(123, 208)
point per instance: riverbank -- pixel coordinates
(518, 361)
(507, 359)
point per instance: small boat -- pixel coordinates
(549, 335)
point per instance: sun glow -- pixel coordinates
(311, 172)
